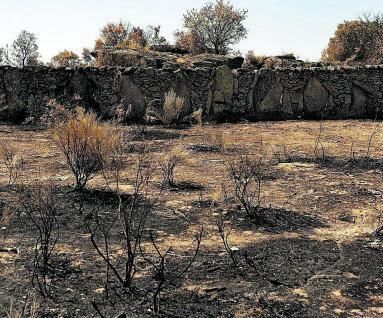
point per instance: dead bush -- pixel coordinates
(224, 235)
(319, 151)
(281, 154)
(165, 275)
(7, 215)
(130, 216)
(41, 209)
(12, 161)
(86, 143)
(197, 116)
(173, 109)
(170, 163)
(270, 62)
(247, 176)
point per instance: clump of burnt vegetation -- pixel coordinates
(247, 176)
(170, 163)
(42, 210)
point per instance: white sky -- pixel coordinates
(302, 27)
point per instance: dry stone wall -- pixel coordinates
(224, 93)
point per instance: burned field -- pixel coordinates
(272, 219)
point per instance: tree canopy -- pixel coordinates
(358, 41)
(213, 28)
(23, 51)
(65, 59)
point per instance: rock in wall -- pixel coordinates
(223, 93)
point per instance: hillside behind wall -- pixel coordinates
(223, 93)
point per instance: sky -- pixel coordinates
(302, 27)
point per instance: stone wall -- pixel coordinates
(223, 93)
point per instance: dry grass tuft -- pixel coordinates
(173, 109)
(12, 161)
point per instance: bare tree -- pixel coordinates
(216, 26)
(23, 52)
(131, 218)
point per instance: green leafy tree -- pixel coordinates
(23, 52)
(216, 27)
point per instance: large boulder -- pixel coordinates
(271, 105)
(222, 98)
(358, 107)
(316, 98)
(132, 95)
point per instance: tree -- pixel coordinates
(23, 52)
(215, 27)
(87, 56)
(113, 34)
(153, 36)
(120, 36)
(190, 42)
(139, 38)
(65, 59)
(136, 39)
(357, 41)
